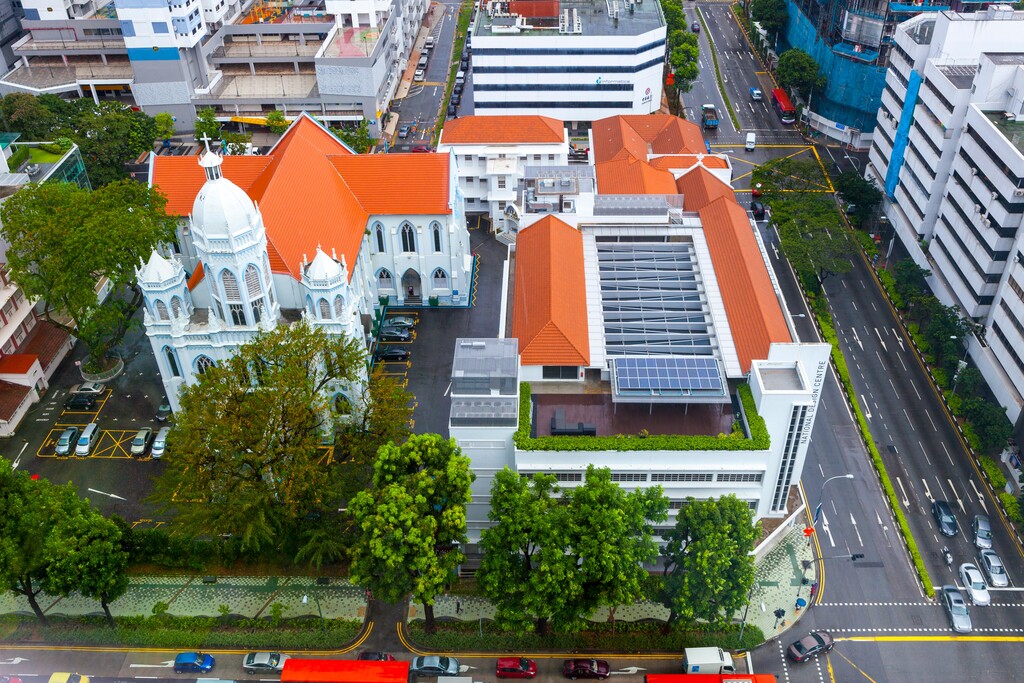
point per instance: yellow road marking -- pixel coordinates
(933, 639)
(859, 670)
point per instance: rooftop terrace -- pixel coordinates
(577, 17)
(41, 75)
(611, 418)
(1012, 130)
(352, 42)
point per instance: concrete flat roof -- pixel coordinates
(594, 19)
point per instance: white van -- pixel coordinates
(428, 44)
(751, 142)
(90, 435)
(160, 443)
(460, 77)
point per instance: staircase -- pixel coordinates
(413, 300)
(506, 237)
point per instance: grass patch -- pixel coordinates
(718, 71)
(39, 156)
(187, 633)
(627, 637)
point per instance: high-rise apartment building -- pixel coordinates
(949, 151)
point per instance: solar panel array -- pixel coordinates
(669, 376)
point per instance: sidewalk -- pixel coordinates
(245, 596)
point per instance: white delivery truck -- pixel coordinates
(707, 660)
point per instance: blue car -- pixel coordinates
(193, 663)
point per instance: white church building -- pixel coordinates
(310, 231)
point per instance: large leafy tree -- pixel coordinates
(683, 59)
(64, 241)
(111, 135)
(411, 525)
(26, 114)
(358, 138)
(771, 14)
(244, 455)
(858, 191)
(709, 570)
(556, 561)
(799, 71)
(85, 555)
(207, 125)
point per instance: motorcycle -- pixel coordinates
(948, 555)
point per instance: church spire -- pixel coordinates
(209, 161)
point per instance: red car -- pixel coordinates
(515, 667)
(367, 656)
(421, 149)
(585, 668)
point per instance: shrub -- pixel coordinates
(19, 157)
(994, 472)
(1012, 507)
(889, 282)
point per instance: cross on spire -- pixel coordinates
(206, 140)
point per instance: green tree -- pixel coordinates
(709, 570)
(65, 240)
(771, 14)
(525, 571)
(235, 143)
(111, 135)
(989, 421)
(164, 126)
(207, 125)
(358, 138)
(911, 279)
(799, 71)
(857, 191)
(683, 60)
(556, 561)
(411, 525)
(85, 555)
(31, 511)
(276, 122)
(24, 113)
(244, 453)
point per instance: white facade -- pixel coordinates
(949, 152)
(592, 61)
(489, 174)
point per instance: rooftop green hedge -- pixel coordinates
(736, 441)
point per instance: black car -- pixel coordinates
(695, 27)
(464, 64)
(395, 334)
(814, 643)
(451, 110)
(757, 208)
(80, 402)
(944, 518)
(456, 99)
(390, 354)
(458, 88)
(367, 656)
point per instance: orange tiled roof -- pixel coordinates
(618, 137)
(535, 8)
(755, 315)
(196, 277)
(481, 130)
(11, 397)
(371, 177)
(304, 200)
(700, 187)
(550, 296)
(630, 176)
(679, 161)
(181, 178)
(17, 363)
(47, 342)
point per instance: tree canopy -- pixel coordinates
(709, 570)
(771, 14)
(411, 525)
(358, 138)
(555, 555)
(65, 240)
(50, 539)
(856, 190)
(799, 71)
(244, 455)
(164, 126)
(207, 125)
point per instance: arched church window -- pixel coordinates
(408, 238)
(437, 238)
(176, 306)
(339, 306)
(440, 279)
(384, 280)
(172, 361)
(203, 363)
(252, 282)
(325, 310)
(161, 311)
(380, 239)
(230, 286)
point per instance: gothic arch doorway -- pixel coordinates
(411, 284)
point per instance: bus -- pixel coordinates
(783, 107)
(343, 671)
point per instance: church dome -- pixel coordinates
(221, 208)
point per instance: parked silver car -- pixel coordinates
(956, 609)
(974, 584)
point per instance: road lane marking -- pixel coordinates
(897, 394)
(906, 499)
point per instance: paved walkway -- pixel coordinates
(777, 585)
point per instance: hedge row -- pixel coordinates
(736, 441)
(19, 157)
(829, 333)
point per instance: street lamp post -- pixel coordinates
(817, 508)
(962, 363)
(305, 601)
